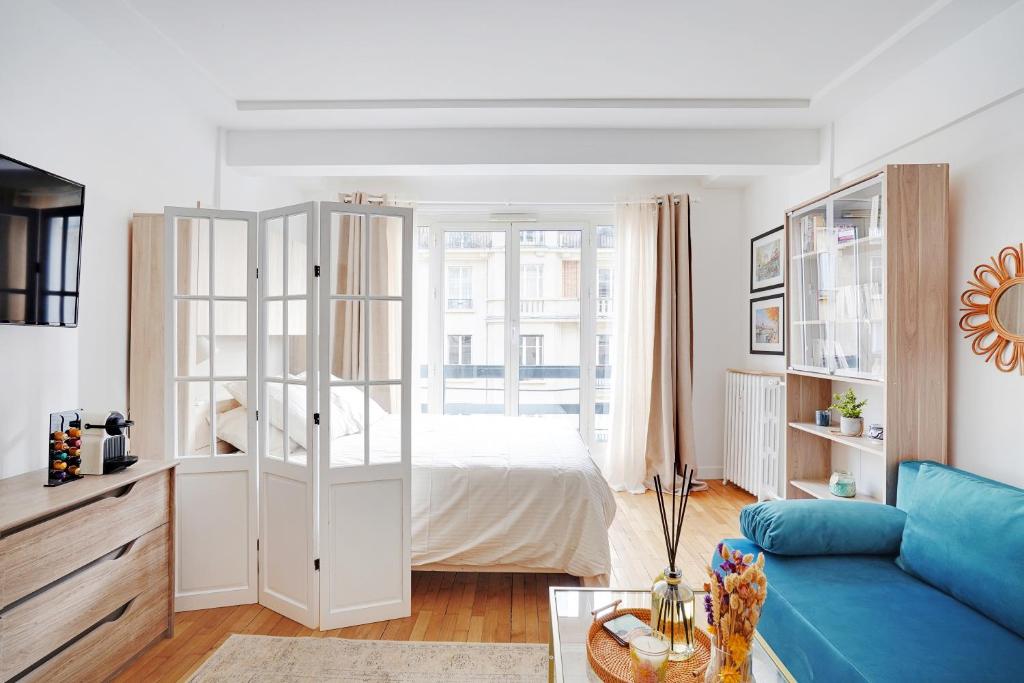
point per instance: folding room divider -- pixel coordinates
(289, 329)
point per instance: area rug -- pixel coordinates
(274, 658)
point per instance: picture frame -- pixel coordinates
(768, 325)
(768, 260)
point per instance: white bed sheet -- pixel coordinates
(490, 490)
(495, 490)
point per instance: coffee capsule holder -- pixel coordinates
(65, 444)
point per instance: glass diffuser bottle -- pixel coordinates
(672, 606)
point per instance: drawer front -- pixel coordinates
(36, 627)
(101, 652)
(40, 554)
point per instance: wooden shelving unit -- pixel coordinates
(819, 489)
(891, 273)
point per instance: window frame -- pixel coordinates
(587, 221)
(538, 349)
(463, 348)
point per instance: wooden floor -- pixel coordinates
(470, 606)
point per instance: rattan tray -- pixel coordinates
(610, 661)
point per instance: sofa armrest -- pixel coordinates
(824, 527)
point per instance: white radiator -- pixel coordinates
(753, 432)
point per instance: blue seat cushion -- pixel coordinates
(839, 618)
(965, 536)
(823, 527)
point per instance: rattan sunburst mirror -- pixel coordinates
(993, 312)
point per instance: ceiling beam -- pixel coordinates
(541, 103)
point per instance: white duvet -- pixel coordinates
(495, 490)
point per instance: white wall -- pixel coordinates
(73, 107)
(716, 226)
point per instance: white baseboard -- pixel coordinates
(712, 472)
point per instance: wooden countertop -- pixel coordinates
(24, 498)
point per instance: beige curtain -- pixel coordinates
(652, 411)
(349, 359)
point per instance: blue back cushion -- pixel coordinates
(823, 527)
(965, 535)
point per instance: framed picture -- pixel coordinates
(768, 325)
(768, 260)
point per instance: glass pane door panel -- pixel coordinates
(276, 347)
(295, 360)
(385, 271)
(231, 418)
(296, 423)
(193, 340)
(192, 250)
(385, 423)
(231, 270)
(230, 338)
(812, 273)
(347, 440)
(272, 426)
(474, 322)
(605, 272)
(274, 265)
(346, 340)
(549, 325)
(385, 348)
(298, 236)
(193, 409)
(346, 262)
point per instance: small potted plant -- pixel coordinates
(851, 423)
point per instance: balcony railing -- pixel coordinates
(531, 306)
(604, 306)
(467, 240)
(460, 304)
(570, 239)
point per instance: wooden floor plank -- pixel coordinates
(475, 607)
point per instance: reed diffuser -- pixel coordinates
(672, 601)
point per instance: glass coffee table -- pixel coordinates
(571, 619)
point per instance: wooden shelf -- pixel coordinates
(838, 378)
(819, 489)
(859, 442)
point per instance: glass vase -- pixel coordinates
(672, 607)
(723, 668)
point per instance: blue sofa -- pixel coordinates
(930, 590)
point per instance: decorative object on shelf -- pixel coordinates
(876, 431)
(767, 260)
(823, 418)
(648, 658)
(672, 602)
(850, 422)
(65, 439)
(993, 312)
(736, 589)
(767, 333)
(611, 662)
(842, 484)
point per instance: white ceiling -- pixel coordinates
(219, 52)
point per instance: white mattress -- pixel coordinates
(495, 490)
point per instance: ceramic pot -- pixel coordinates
(851, 426)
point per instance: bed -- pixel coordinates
(489, 492)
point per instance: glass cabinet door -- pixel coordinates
(859, 327)
(812, 273)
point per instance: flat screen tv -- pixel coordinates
(40, 246)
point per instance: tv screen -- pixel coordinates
(40, 246)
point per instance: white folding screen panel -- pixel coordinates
(365, 400)
(287, 408)
(210, 299)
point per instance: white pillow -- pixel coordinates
(233, 427)
(297, 413)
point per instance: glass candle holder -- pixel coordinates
(648, 659)
(672, 608)
(723, 668)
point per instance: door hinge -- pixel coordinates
(316, 564)
(316, 418)
(257, 273)
(257, 545)
(257, 415)
(316, 271)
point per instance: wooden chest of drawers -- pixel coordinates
(86, 572)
